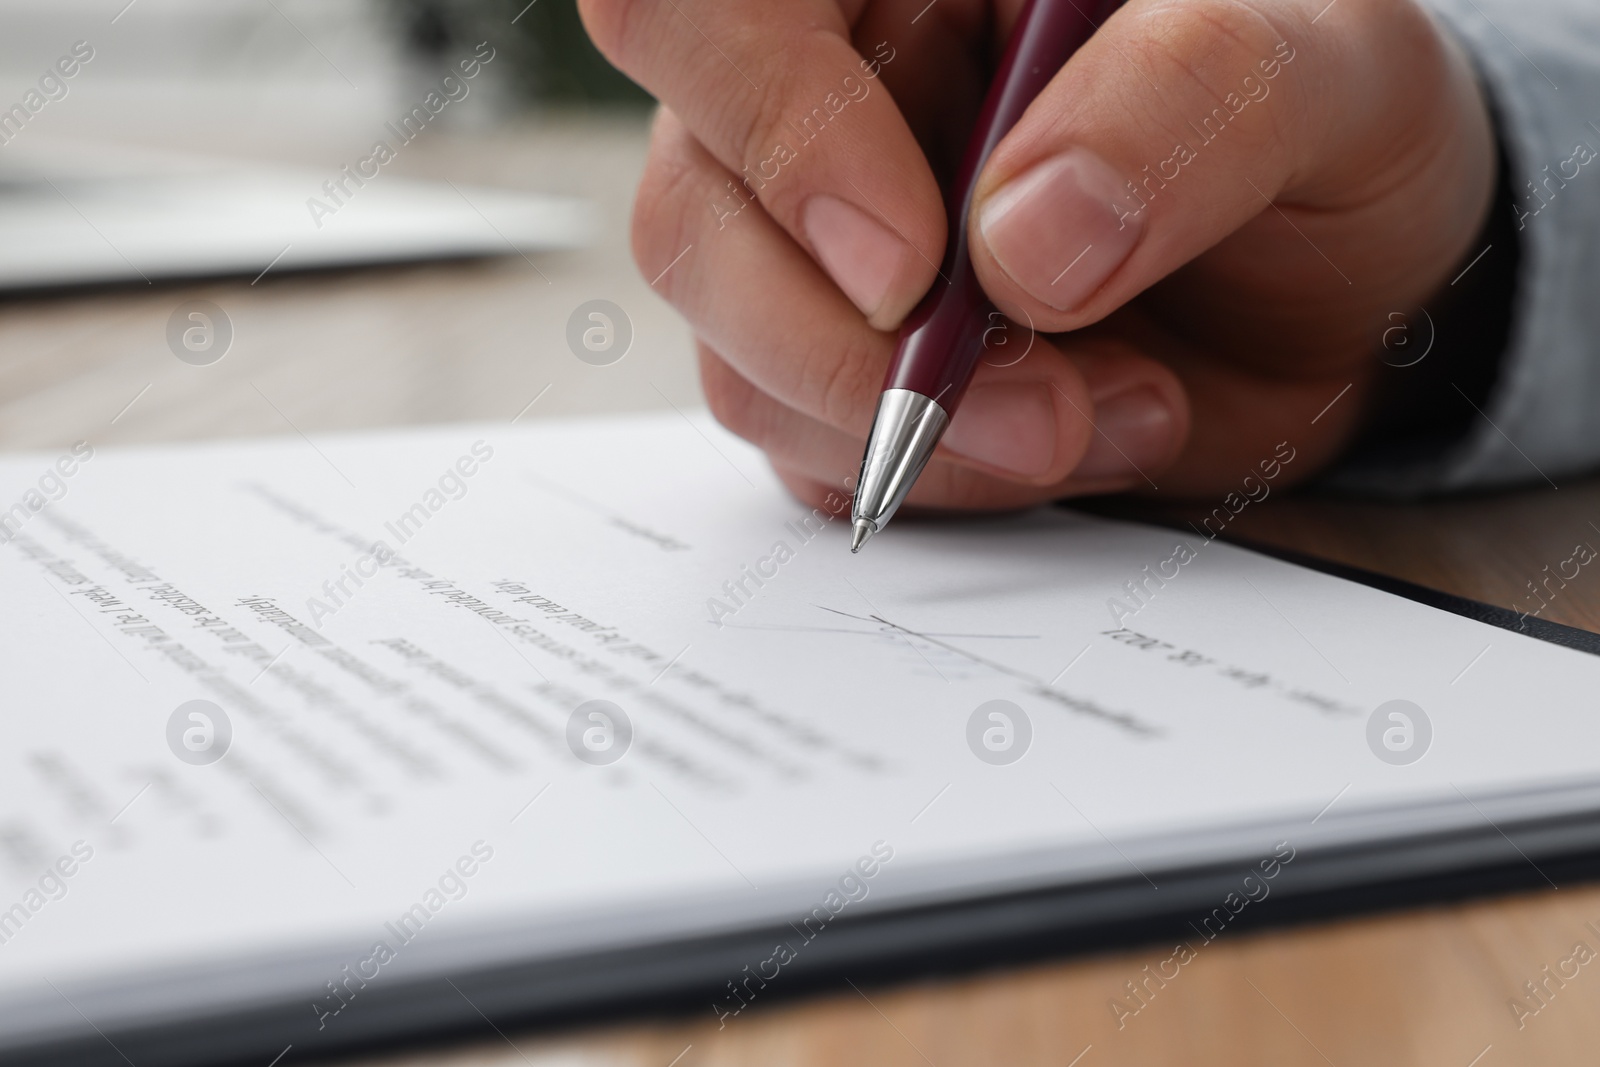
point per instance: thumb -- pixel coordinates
(1175, 125)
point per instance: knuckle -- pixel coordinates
(758, 124)
(730, 399)
(663, 214)
(1195, 29)
(1222, 50)
(753, 122)
(842, 385)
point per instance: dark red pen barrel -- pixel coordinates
(942, 340)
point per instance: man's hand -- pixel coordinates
(1208, 217)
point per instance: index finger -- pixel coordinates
(779, 95)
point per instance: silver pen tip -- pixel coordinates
(863, 530)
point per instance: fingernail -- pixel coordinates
(1012, 427)
(860, 254)
(1133, 434)
(1055, 229)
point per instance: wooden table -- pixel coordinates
(1420, 988)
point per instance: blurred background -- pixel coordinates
(180, 163)
(313, 66)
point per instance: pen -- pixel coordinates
(942, 339)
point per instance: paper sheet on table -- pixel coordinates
(793, 709)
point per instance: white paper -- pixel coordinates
(781, 733)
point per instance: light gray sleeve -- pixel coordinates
(1539, 61)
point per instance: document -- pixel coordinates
(302, 721)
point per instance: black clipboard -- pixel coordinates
(690, 976)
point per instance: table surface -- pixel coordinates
(316, 354)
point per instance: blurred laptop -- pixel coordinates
(100, 215)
